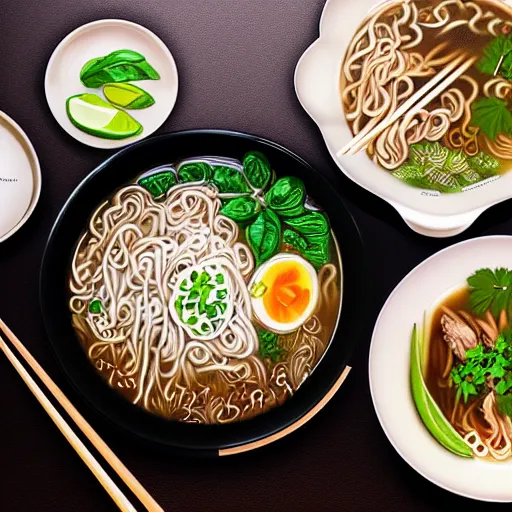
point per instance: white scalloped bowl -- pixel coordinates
(317, 88)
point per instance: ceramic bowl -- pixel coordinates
(389, 370)
(317, 78)
(20, 177)
(213, 440)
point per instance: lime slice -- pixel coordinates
(128, 96)
(93, 115)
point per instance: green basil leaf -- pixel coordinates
(286, 196)
(241, 209)
(159, 183)
(318, 253)
(310, 223)
(314, 248)
(195, 171)
(257, 169)
(118, 66)
(229, 180)
(264, 236)
(295, 240)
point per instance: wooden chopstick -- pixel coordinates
(361, 140)
(128, 478)
(108, 484)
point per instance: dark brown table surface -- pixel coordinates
(236, 60)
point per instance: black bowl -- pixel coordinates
(199, 439)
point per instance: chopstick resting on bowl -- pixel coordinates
(134, 485)
(459, 65)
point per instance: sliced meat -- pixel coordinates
(490, 328)
(457, 333)
(484, 332)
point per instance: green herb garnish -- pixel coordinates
(158, 183)
(432, 166)
(504, 403)
(95, 306)
(269, 346)
(203, 300)
(276, 215)
(482, 365)
(492, 116)
(490, 290)
(497, 57)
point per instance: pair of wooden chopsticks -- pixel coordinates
(459, 65)
(113, 490)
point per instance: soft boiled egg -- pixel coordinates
(284, 292)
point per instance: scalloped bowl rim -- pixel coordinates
(317, 87)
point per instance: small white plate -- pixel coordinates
(20, 177)
(97, 39)
(389, 370)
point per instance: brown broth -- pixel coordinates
(438, 351)
(459, 38)
(275, 393)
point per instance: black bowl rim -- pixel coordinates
(358, 297)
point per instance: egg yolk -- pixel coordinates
(288, 291)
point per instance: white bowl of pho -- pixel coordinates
(414, 101)
(447, 405)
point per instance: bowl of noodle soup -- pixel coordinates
(440, 166)
(453, 431)
(193, 291)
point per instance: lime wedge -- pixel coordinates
(128, 96)
(93, 115)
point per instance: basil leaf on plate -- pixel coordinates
(257, 169)
(118, 66)
(286, 196)
(241, 209)
(264, 236)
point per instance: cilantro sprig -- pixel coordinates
(490, 290)
(484, 365)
